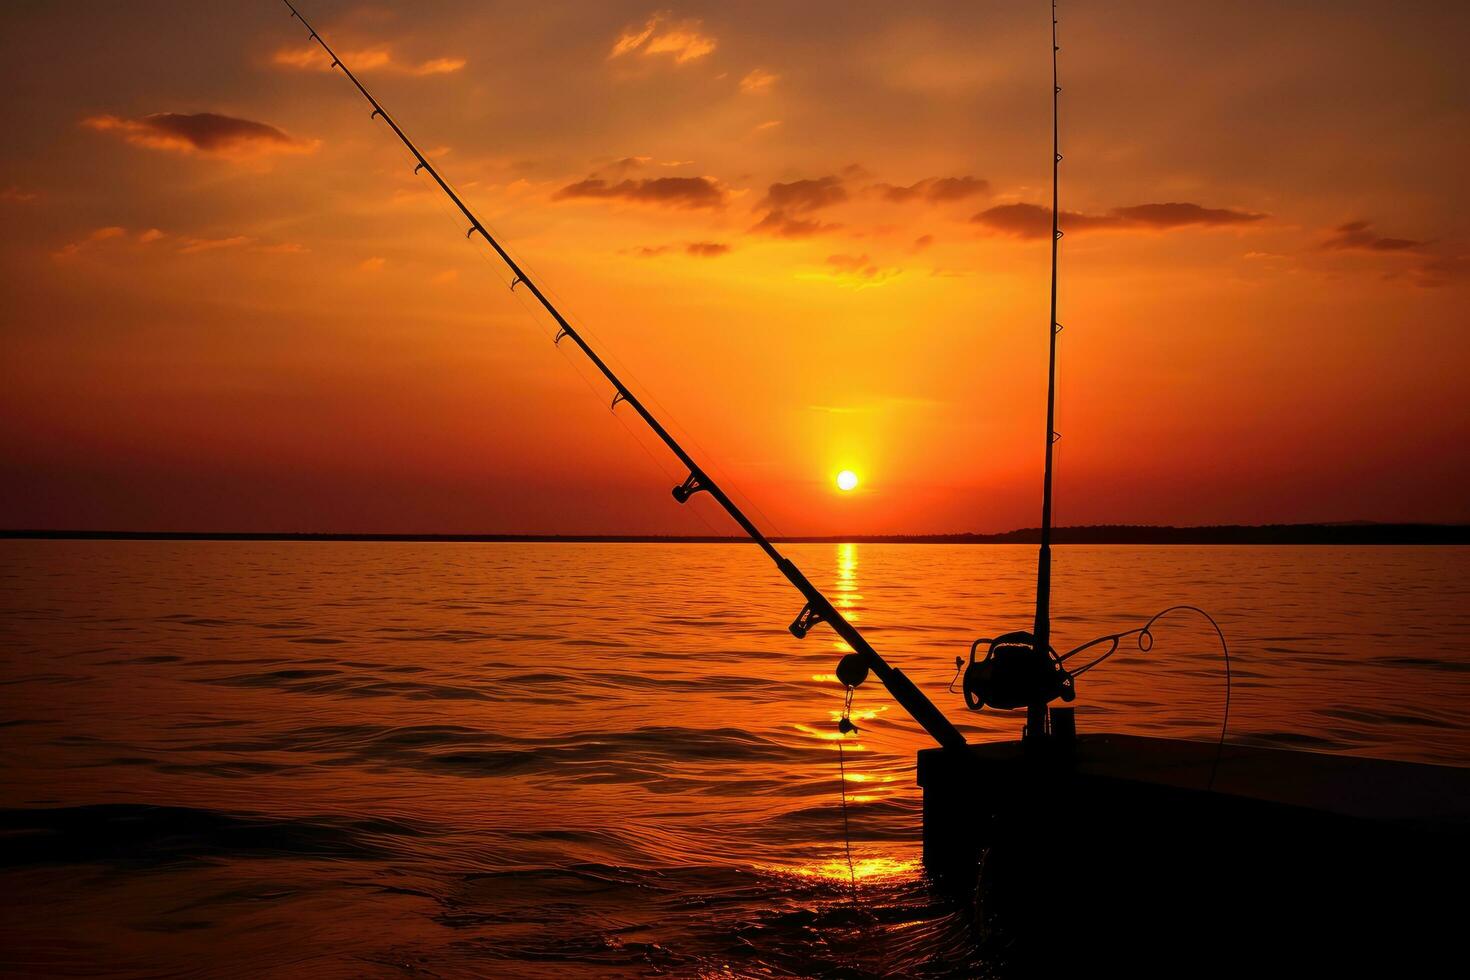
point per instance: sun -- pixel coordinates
(847, 480)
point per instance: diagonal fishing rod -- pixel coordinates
(818, 609)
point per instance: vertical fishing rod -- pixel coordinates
(1036, 713)
(1020, 669)
(818, 609)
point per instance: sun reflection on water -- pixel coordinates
(869, 870)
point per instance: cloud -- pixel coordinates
(195, 245)
(1429, 265)
(935, 190)
(183, 246)
(856, 271)
(702, 250)
(14, 195)
(381, 58)
(1442, 270)
(804, 195)
(758, 81)
(674, 192)
(1034, 221)
(789, 207)
(783, 226)
(99, 235)
(204, 132)
(374, 264)
(1359, 235)
(1177, 215)
(682, 40)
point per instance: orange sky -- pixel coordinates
(807, 230)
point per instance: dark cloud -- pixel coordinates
(1025, 220)
(861, 270)
(674, 192)
(1360, 235)
(1177, 215)
(1427, 266)
(703, 250)
(1442, 270)
(936, 190)
(804, 195)
(789, 206)
(781, 224)
(203, 132)
(1034, 221)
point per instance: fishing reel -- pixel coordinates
(1014, 674)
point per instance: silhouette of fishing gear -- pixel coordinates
(1020, 669)
(1008, 676)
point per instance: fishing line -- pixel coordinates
(1145, 643)
(846, 830)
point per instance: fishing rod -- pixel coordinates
(1036, 713)
(854, 667)
(1021, 669)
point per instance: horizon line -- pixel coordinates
(1337, 532)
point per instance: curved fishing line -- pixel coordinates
(1145, 644)
(817, 608)
(846, 829)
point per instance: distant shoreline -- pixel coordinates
(1358, 533)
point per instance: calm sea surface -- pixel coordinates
(545, 760)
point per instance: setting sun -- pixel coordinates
(847, 480)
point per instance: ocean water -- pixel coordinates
(353, 759)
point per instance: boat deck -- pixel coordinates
(1429, 796)
(1120, 849)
